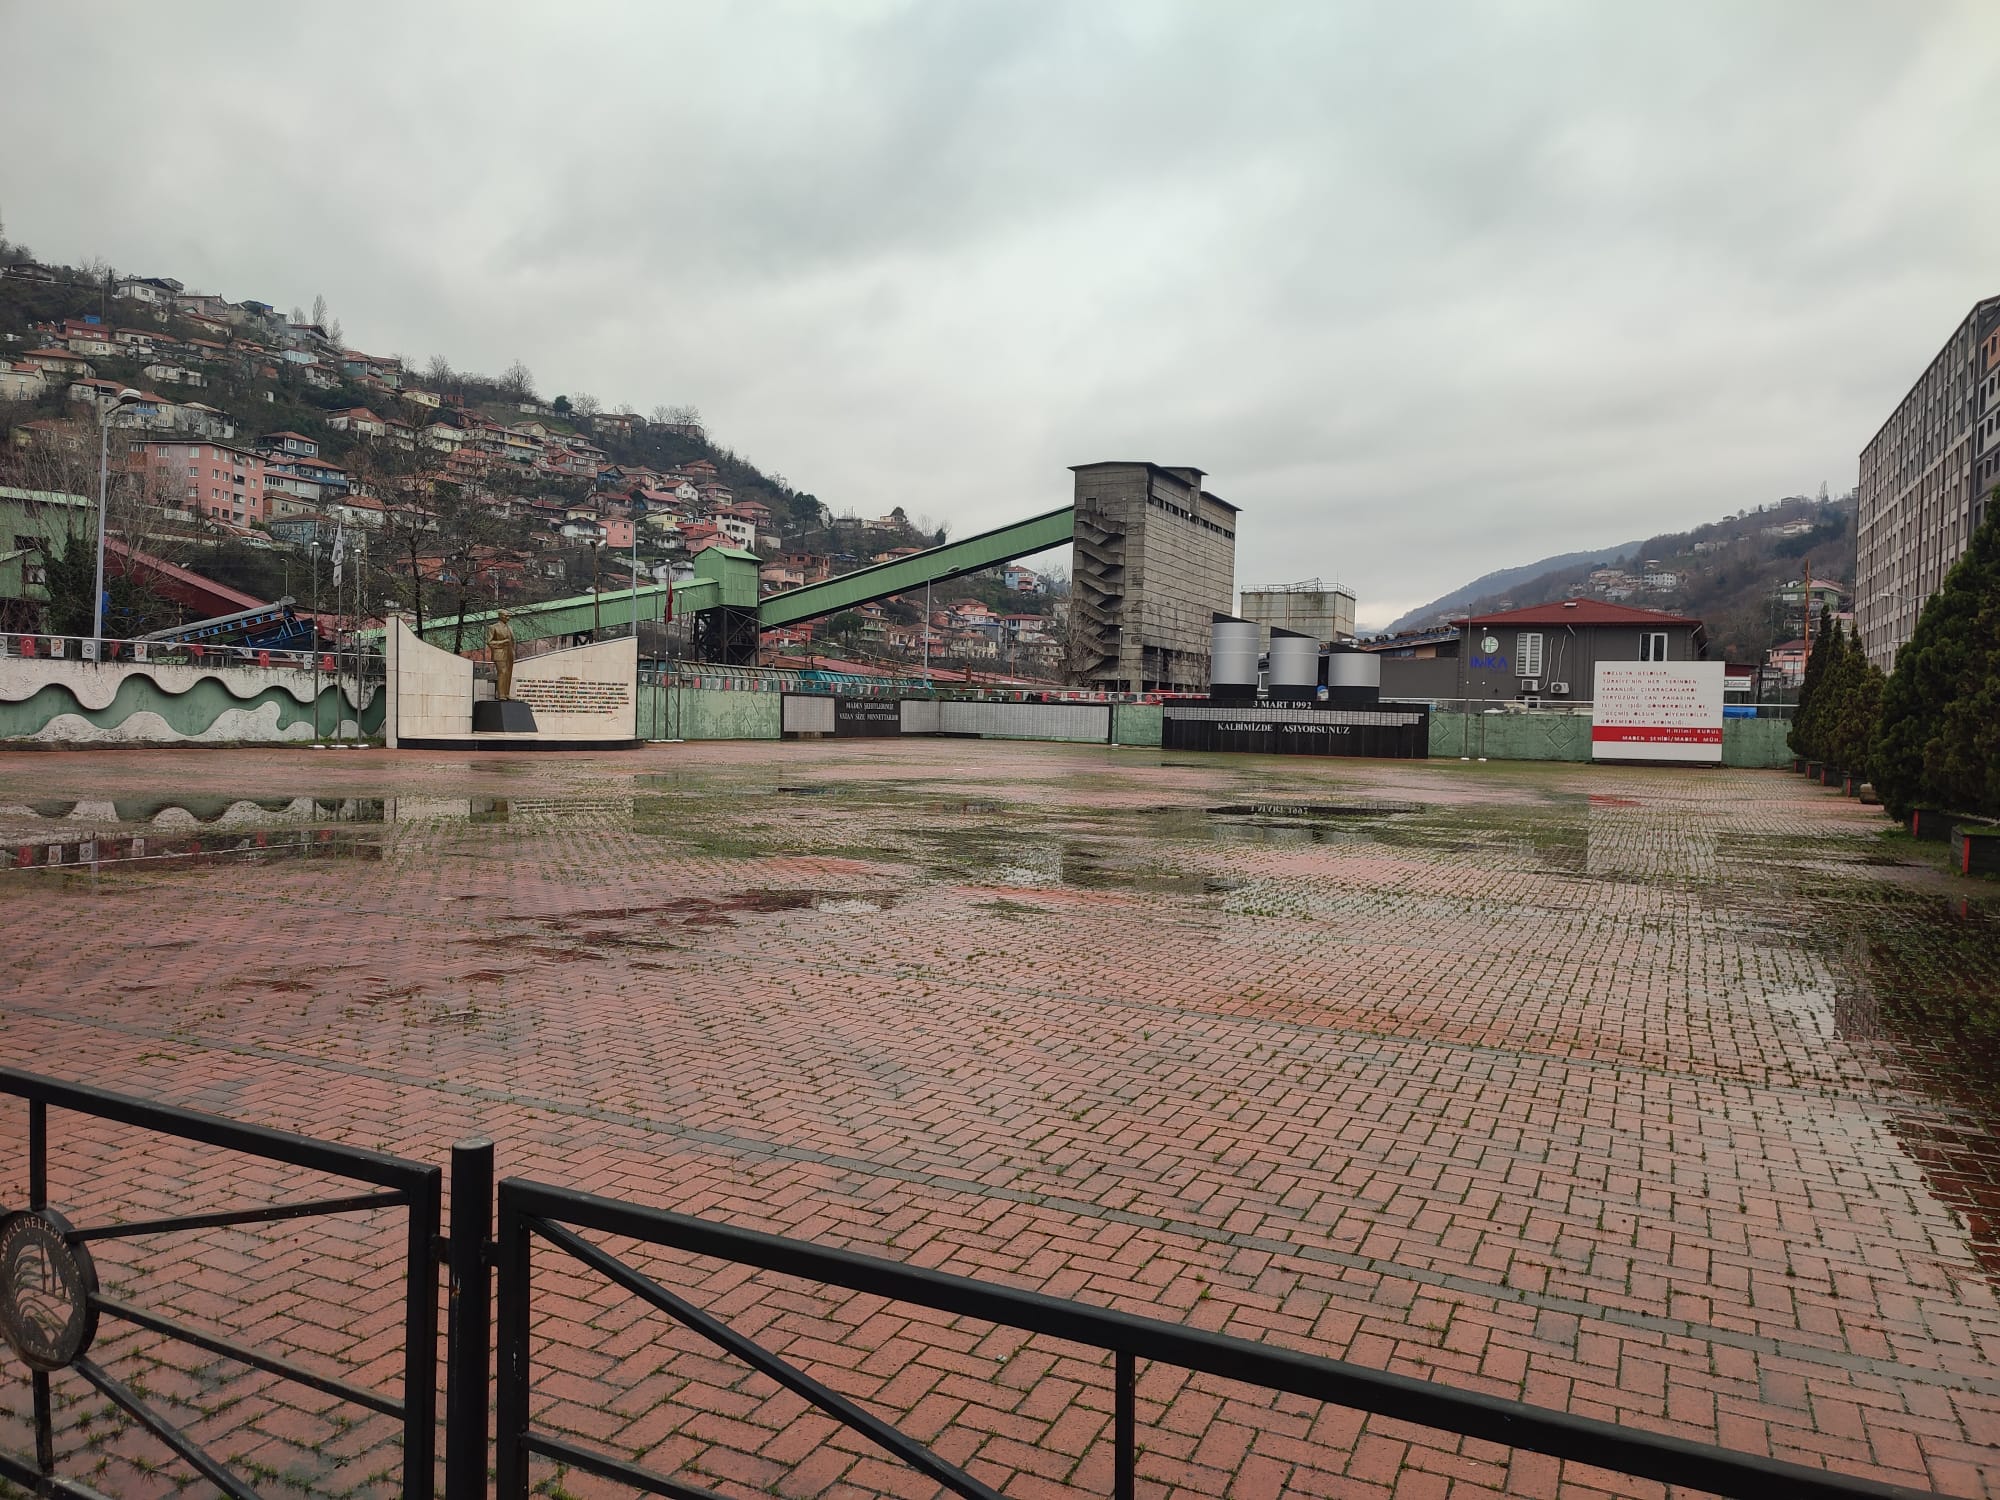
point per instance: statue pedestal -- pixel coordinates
(503, 716)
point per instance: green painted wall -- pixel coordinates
(1510, 736)
(707, 714)
(717, 714)
(187, 715)
(1756, 742)
(1745, 742)
(1136, 723)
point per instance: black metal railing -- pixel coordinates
(561, 1218)
(395, 1183)
(531, 1210)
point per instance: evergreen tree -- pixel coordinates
(1804, 724)
(1852, 703)
(1938, 744)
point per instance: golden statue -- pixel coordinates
(500, 646)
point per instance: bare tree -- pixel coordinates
(319, 310)
(518, 382)
(403, 483)
(466, 530)
(438, 372)
(585, 404)
(12, 251)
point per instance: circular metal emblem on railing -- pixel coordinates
(45, 1289)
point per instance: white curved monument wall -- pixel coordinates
(430, 690)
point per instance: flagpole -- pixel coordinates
(339, 672)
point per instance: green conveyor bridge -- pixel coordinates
(726, 579)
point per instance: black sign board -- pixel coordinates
(1392, 734)
(867, 716)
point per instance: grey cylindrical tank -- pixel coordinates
(1294, 675)
(1232, 658)
(1353, 678)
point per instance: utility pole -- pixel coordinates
(124, 399)
(596, 596)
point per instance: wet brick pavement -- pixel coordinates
(1660, 1096)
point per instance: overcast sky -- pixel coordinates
(1427, 288)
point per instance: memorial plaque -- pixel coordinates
(1383, 733)
(867, 716)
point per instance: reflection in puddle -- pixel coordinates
(186, 810)
(1312, 809)
(96, 851)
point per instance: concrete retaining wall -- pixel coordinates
(155, 703)
(1076, 723)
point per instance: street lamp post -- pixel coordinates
(125, 398)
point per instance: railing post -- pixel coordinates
(38, 1197)
(510, 1407)
(1124, 1427)
(420, 1343)
(38, 1154)
(469, 1329)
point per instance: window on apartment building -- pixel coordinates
(1653, 645)
(1528, 654)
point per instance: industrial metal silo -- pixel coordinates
(1232, 660)
(1353, 678)
(1294, 672)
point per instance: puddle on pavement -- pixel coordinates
(722, 911)
(1923, 985)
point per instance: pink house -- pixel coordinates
(618, 533)
(217, 481)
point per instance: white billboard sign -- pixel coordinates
(1665, 710)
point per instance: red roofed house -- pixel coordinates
(291, 444)
(58, 362)
(1548, 652)
(1789, 660)
(359, 420)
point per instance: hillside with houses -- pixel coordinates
(246, 440)
(1745, 576)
